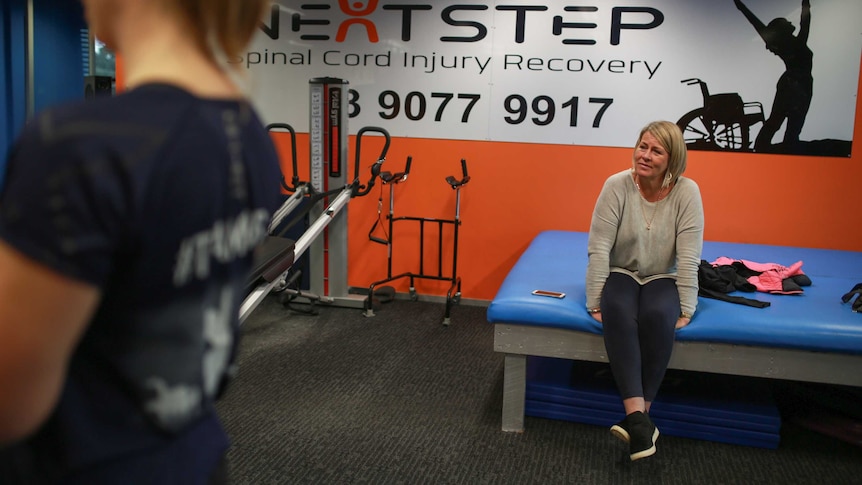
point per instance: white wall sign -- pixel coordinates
(585, 73)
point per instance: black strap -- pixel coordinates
(371, 235)
(717, 295)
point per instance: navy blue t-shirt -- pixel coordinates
(157, 197)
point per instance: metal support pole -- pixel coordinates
(91, 54)
(287, 207)
(29, 62)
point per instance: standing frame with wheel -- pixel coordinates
(453, 295)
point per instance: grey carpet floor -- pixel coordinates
(339, 398)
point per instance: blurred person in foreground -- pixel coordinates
(127, 226)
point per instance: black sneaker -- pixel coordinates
(642, 435)
(621, 430)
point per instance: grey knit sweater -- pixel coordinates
(620, 242)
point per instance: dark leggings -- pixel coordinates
(638, 326)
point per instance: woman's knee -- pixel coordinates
(617, 306)
(659, 303)
(656, 315)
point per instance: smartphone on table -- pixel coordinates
(552, 294)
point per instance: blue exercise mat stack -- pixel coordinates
(712, 407)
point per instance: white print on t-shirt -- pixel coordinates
(218, 336)
(172, 405)
(225, 241)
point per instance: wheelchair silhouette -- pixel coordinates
(723, 123)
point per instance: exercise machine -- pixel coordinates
(453, 295)
(275, 255)
(326, 197)
(329, 263)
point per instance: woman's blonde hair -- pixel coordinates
(670, 136)
(226, 25)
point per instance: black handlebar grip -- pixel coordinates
(455, 183)
(285, 126)
(295, 178)
(407, 167)
(359, 189)
(386, 137)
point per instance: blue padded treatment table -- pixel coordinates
(809, 337)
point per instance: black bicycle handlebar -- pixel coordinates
(359, 189)
(455, 183)
(397, 177)
(295, 179)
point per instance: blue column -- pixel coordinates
(58, 75)
(59, 58)
(11, 74)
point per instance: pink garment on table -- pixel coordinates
(771, 274)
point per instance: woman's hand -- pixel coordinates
(597, 316)
(681, 322)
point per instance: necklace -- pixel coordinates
(654, 208)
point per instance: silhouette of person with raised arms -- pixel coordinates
(795, 87)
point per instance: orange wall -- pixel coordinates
(517, 190)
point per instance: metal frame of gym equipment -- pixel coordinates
(328, 134)
(453, 295)
(328, 143)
